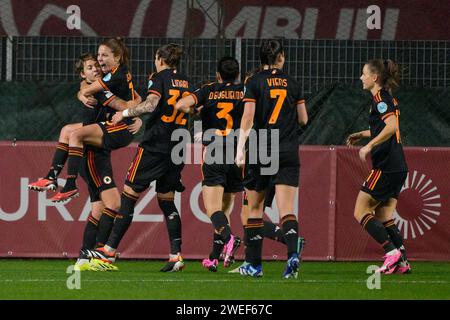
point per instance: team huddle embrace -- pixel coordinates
(250, 136)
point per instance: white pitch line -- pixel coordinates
(230, 280)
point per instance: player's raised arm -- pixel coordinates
(146, 106)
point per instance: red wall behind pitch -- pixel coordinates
(31, 226)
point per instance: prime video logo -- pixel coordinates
(263, 147)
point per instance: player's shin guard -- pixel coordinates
(289, 224)
(377, 231)
(90, 233)
(123, 219)
(220, 222)
(59, 159)
(272, 231)
(105, 226)
(74, 162)
(173, 223)
(254, 235)
(218, 244)
(395, 236)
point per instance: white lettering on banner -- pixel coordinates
(309, 23)
(86, 210)
(345, 22)
(390, 24)
(178, 17)
(140, 216)
(248, 18)
(271, 27)
(23, 207)
(360, 30)
(246, 22)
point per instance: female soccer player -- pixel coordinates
(89, 70)
(377, 199)
(153, 159)
(113, 59)
(221, 115)
(273, 102)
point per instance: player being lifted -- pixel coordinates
(273, 101)
(117, 86)
(96, 166)
(377, 199)
(221, 114)
(153, 159)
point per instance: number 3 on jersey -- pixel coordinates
(224, 114)
(174, 97)
(280, 95)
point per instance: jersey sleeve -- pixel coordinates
(104, 97)
(155, 85)
(112, 81)
(250, 90)
(384, 106)
(201, 95)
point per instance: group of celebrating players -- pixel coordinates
(269, 100)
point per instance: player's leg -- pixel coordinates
(285, 197)
(384, 213)
(213, 202)
(218, 243)
(166, 202)
(364, 213)
(271, 230)
(111, 200)
(230, 247)
(49, 182)
(145, 168)
(254, 234)
(167, 184)
(89, 235)
(92, 135)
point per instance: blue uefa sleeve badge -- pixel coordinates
(107, 77)
(382, 107)
(150, 83)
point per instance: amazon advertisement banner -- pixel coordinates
(32, 226)
(292, 19)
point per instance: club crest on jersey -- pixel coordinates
(107, 77)
(150, 83)
(382, 107)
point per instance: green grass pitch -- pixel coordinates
(46, 279)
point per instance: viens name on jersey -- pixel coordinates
(276, 82)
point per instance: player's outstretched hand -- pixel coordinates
(135, 126)
(117, 117)
(353, 139)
